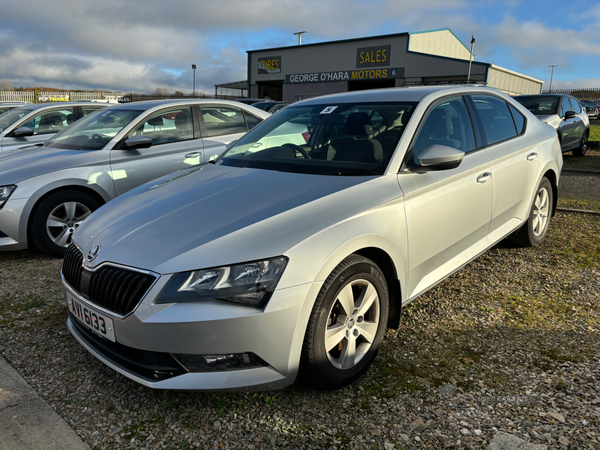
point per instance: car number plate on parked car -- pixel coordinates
(92, 319)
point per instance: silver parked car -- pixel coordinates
(7, 106)
(33, 124)
(46, 192)
(565, 114)
(294, 257)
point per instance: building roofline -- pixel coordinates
(366, 38)
(512, 72)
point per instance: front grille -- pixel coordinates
(153, 366)
(113, 288)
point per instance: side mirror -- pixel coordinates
(570, 114)
(139, 141)
(23, 132)
(440, 157)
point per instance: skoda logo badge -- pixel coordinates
(93, 252)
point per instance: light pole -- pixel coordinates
(552, 76)
(300, 33)
(470, 59)
(194, 89)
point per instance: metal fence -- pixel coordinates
(39, 97)
(580, 94)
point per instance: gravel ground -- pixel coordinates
(506, 349)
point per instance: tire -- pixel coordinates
(583, 145)
(56, 218)
(327, 361)
(533, 232)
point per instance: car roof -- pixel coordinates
(34, 106)
(149, 104)
(406, 94)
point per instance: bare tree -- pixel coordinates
(5, 85)
(161, 91)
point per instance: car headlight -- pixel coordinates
(250, 283)
(5, 192)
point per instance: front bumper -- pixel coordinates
(147, 338)
(13, 230)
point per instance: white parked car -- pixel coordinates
(296, 256)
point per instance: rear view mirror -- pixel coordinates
(139, 141)
(107, 119)
(441, 157)
(23, 132)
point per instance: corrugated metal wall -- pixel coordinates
(440, 43)
(513, 83)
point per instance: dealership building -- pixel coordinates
(404, 59)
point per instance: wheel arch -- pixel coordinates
(552, 178)
(101, 198)
(385, 263)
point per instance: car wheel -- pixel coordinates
(533, 232)
(346, 325)
(583, 146)
(57, 217)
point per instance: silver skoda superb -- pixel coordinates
(294, 257)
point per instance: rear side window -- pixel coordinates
(518, 118)
(496, 118)
(169, 126)
(221, 120)
(251, 120)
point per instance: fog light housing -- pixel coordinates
(219, 363)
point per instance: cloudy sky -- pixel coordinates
(140, 45)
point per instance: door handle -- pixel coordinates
(532, 156)
(484, 177)
(193, 155)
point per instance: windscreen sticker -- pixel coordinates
(328, 110)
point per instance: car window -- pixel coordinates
(221, 120)
(564, 106)
(496, 118)
(447, 123)
(251, 120)
(575, 106)
(518, 118)
(10, 117)
(328, 139)
(50, 121)
(94, 131)
(168, 126)
(90, 109)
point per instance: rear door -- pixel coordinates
(174, 147)
(515, 161)
(222, 125)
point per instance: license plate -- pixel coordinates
(92, 319)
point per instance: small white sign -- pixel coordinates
(328, 110)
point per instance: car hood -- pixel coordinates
(21, 164)
(218, 215)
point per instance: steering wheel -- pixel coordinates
(298, 149)
(96, 138)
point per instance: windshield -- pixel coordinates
(9, 118)
(329, 139)
(95, 130)
(538, 105)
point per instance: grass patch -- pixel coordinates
(594, 134)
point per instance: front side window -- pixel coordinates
(10, 117)
(496, 118)
(564, 106)
(50, 121)
(447, 123)
(327, 139)
(575, 106)
(94, 131)
(220, 120)
(173, 125)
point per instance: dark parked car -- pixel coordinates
(591, 104)
(565, 114)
